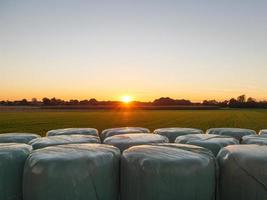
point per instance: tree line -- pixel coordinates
(239, 102)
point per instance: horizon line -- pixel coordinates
(133, 100)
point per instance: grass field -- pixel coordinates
(41, 121)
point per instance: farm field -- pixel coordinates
(40, 121)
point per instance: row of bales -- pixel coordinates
(130, 163)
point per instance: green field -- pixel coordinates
(40, 121)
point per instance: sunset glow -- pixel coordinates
(126, 99)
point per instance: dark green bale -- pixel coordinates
(73, 131)
(236, 133)
(17, 137)
(214, 143)
(125, 141)
(255, 139)
(12, 159)
(72, 172)
(263, 132)
(63, 139)
(168, 172)
(173, 133)
(122, 130)
(243, 172)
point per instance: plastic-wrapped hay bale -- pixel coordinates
(263, 132)
(243, 172)
(173, 133)
(73, 171)
(17, 137)
(125, 141)
(209, 141)
(63, 139)
(73, 131)
(12, 159)
(122, 130)
(237, 133)
(255, 139)
(167, 172)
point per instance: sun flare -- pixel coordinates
(126, 99)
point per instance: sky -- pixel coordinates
(143, 48)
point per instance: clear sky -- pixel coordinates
(144, 48)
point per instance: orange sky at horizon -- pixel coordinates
(119, 96)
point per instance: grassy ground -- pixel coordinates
(42, 121)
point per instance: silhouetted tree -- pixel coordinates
(34, 100)
(93, 102)
(251, 100)
(84, 102)
(74, 102)
(241, 98)
(46, 101)
(210, 102)
(233, 103)
(168, 101)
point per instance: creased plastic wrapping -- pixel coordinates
(73, 131)
(72, 172)
(236, 133)
(209, 141)
(12, 159)
(168, 172)
(128, 140)
(243, 172)
(17, 137)
(63, 139)
(173, 133)
(122, 130)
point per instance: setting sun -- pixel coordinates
(126, 99)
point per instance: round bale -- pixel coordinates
(173, 133)
(73, 171)
(209, 141)
(236, 133)
(73, 131)
(255, 139)
(122, 130)
(63, 139)
(167, 172)
(12, 160)
(17, 137)
(263, 132)
(125, 141)
(243, 172)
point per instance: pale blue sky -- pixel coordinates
(147, 49)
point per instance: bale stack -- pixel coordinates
(168, 171)
(209, 141)
(173, 133)
(236, 133)
(17, 137)
(122, 130)
(72, 164)
(243, 172)
(125, 141)
(63, 139)
(12, 159)
(74, 171)
(73, 131)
